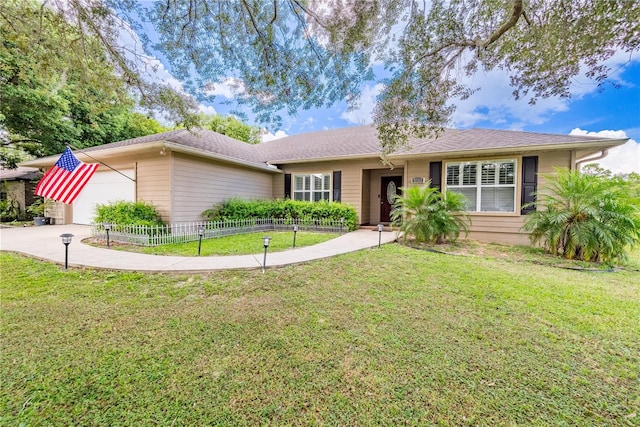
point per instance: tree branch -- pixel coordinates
(516, 12)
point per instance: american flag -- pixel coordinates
(66, 179)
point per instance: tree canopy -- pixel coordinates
(233, 128)
(286, 55)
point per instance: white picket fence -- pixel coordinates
(190, 231)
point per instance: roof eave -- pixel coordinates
(325, 159)
(106, 154)
(596, 145)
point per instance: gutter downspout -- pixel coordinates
(604, 153)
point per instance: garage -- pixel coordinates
(103, 187)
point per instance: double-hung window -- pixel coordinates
(312, 187)
(488, 185)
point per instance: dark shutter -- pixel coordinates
(435, 174)
(529, 183)
(337, 186)
(287, 185)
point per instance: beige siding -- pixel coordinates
(199, 184)
(550, 159)
(498, 229)
(277, 186)
(365, 217)
(153, 183)
(417, 169)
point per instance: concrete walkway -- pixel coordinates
(44, 242)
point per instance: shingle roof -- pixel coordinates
(200, 139)
(20, 173)
(363, 141)
(356, 141)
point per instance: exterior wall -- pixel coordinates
(499, 227)
(353, 183)
(16, 191)
(153, 182)
(416, 169)
(198, 184)
(21, 191)
(365, 217)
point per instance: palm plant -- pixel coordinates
(423, 212)
(585, 217)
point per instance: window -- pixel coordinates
(489, 185)
(314, 187)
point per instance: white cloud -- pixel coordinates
(268, 136)
(207, 109)
(494, 101)
(229, 88)
(363, 114)
(622, 159)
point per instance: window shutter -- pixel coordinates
(529, 183)
(337, 186)
(287, 185)
(435, 174)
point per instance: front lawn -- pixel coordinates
(390, 336)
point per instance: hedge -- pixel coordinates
(234, 209)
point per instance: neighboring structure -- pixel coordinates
(183, 173)
(19, 185)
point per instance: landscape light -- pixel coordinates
(107, 227)
(380, 227)
(295, 231)
(66, 239)
(265, 242)
(200, 235)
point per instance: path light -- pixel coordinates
(200, 235)
(380, 226)
(107, 227)
(295, 231)
(341, 224)
(66, 239)
(265, 242)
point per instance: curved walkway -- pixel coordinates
(44, 242)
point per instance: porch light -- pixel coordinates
(265, 242)
(107, 228)
(66, 240)
(380, 227)
(200, 235)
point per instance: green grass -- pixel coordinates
(390, 336)
(239, 244)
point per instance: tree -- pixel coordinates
(586, 217)
(233, 128)
(428, 215)
(48, 100)
(287, 55)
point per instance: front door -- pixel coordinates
(390, 189)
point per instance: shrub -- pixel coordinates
(234, 209)
(423, 213)
(128, 213)
(586, 217)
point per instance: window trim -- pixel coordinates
(478, 186)
(312, 190)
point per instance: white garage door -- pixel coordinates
(103, 187)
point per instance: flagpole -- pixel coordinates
(102, 163)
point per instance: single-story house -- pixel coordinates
(19, 185)
(185, 172)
